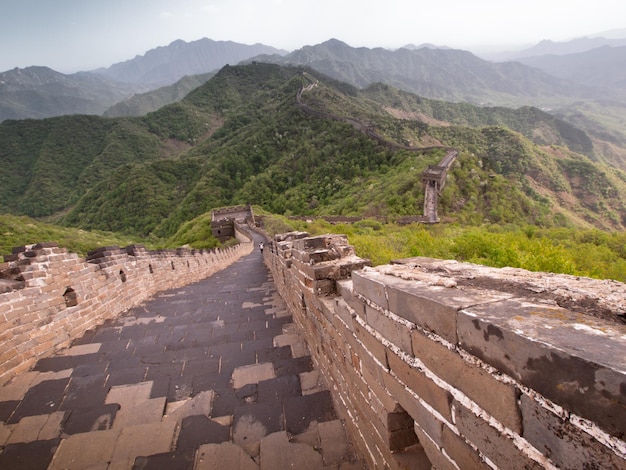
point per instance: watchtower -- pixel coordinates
(223, 220)
(434, 179)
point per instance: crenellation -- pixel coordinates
(448, 364)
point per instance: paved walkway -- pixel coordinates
(209, 376)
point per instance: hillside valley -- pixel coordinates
(241, 137)
(591, 98)
(592, 101)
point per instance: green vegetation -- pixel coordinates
(144, 103)
(18, 231)
(241, 138)
(590, 253)
(196, 234)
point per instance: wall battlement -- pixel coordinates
(456, 365)
(48, 296)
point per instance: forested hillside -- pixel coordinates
(241, 137)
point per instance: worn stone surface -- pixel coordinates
(450, 345)
(84, 450)
(499, 448)
(220, 456)
(252, 374)
(171, 384)
(567, 357)
(565, 444)
(428, 302)
(603, 299)
(278, 452)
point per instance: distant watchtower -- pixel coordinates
(434, 179)
(223, 220)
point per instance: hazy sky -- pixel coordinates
(72, 35)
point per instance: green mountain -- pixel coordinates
(144, 103)
(243, 137)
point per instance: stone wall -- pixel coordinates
(48, 296)
(458, 366)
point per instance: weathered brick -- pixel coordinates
(371, 285)
(497, 398)
(393, 331)
(418, 412)
(499, 448)
(461, 452)
(346, 291)
(311, 243)
(542, 347)
(344, 312)
(436, 458)
(371, 344)
(566, 445)
(420, 384)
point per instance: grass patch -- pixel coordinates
(590, 253)
(20, 230)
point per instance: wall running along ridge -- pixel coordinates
(48, 296)
(461, 366)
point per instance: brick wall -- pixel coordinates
(48, 296)
(458, 366)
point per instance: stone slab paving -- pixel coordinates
(209, 376)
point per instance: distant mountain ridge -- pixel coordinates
(168, 64)
(429, 71)
(548, 47)
(40, 92)
(445, 74)
(604, 66)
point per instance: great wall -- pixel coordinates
(49, 296)
(431, 363)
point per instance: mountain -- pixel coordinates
(243, 136)
(600, 67)
(552, 48)
(446, 74)
(413, 47)
(39, 92)
(168, 64)
(144, 103)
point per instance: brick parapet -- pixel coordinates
(50, 296)
(462, 365)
